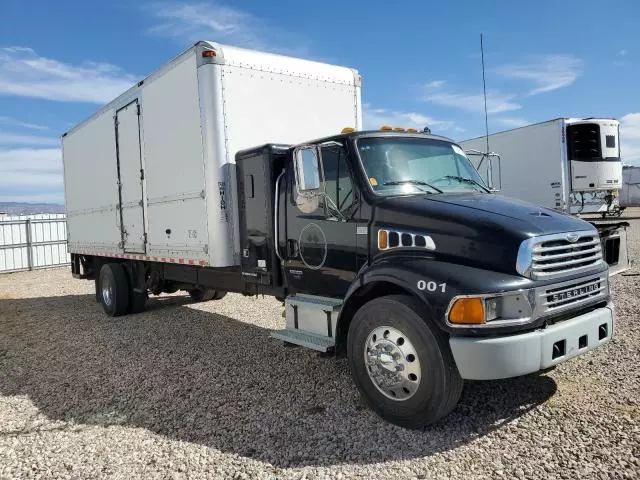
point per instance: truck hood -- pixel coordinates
(479, 229)
(529, 218)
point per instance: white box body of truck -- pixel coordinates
(566, 164)
(151, 175)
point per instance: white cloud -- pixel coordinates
(374, 118)
(546, 73)
(214, 21)
(21, 139)
(620, 60)
(435, 84)
(496, 102)
(630, 138)
(511, 122)
(31, 174)
(18, 123)
(24, 73)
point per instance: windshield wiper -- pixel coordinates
(467, 180)
(413, 182)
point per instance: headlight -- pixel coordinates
(487, 310)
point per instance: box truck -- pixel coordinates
(570, 165)
(385, 246)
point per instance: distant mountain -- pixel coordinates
(21, 208)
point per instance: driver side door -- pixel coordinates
(321, 226)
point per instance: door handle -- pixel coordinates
(292, 248)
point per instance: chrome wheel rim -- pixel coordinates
(392, 363)
(107, 293)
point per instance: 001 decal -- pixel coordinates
(431, 286)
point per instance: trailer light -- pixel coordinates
(208, 53)
(383, 239)
(386, 128)
(348, 130)
(467, 311)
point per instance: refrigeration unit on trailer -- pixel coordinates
(225, 172)
(566, 164)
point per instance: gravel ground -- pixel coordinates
(200, 390)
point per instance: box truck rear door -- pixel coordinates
(131, 176)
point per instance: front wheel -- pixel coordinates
(402, 364)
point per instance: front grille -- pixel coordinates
(558, 256)
(576, 293)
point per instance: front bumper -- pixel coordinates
(520, 354)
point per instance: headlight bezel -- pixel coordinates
(501, 303)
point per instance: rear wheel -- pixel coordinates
(138, 292)
(402, 364)
(114, 289)
(138, 300)
(199, 295)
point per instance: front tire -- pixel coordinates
(114, 289)
(401, 363)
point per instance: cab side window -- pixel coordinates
(338, 184)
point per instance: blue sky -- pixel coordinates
(59, 61)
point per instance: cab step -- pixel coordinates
(310, 321)
(305, 339)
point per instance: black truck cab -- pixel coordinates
(389, 247)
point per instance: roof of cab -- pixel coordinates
(377, 133)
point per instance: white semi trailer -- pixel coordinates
(567, 164)
(571, 165)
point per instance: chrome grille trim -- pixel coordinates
(552, 256)
(588, 290)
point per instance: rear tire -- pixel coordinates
(138, 292)
(114, 289)
(402, 363)
(198, 295)
(219, 295)
(138, 301)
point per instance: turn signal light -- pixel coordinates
(208, 53)
(383, 239)
(467, 311)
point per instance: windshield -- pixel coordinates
(401, 165)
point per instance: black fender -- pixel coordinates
(435, 283)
